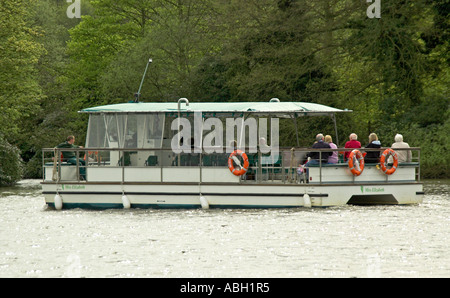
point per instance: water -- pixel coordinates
(347, 241)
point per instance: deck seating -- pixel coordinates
(151, 161)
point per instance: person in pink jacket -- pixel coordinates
(333, 158)
(352, 143)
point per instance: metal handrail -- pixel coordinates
(259, 166)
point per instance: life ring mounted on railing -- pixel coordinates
(383, 161)
(233, 157)
(353, 165)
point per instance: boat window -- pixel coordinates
(125, 130)
(151, 131)
(96, 137)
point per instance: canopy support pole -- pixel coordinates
(333, 116)
(294, 118)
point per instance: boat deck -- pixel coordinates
(162, 166)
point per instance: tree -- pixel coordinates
(11, 167)
(176, 35)
(20, 92)
(49, 124)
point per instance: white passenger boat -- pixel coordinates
(137, 156)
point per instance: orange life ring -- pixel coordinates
(244, 168)
(360, 158)
(383, 157)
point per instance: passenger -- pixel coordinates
(403, 155)
(373, 156)
(315, 156)
(301, 173)
(334, 155)
(71, 157)
(352, 143)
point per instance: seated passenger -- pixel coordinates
(373, 156)
(315, 156)
(333, 158)
(403, 155)
(71, 157)
(352, 143)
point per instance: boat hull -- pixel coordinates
(223, 195)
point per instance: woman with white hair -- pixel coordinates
(352, 143)
(403, 155)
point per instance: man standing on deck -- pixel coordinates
(71, 157)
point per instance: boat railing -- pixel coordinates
(287, 165)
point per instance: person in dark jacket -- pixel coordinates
(373, 156)
(315, 156)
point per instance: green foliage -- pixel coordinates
(176, 35)
(393, 72)
(11, 167)
(19, 54)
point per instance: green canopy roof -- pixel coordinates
(273, 108)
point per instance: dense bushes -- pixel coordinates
(11, 165)
(435, 151)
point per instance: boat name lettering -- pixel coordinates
(371, 189)
(68, 186)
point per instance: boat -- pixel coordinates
(179, 155)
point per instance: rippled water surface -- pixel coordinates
(348, 241)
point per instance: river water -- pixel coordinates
(347, 241)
